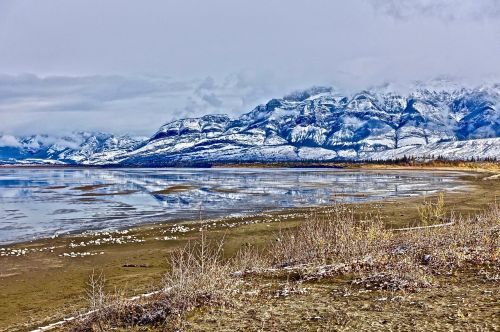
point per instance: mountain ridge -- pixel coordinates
(314, 124)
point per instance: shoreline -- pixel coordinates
(48, 286)
(461, 184)
(398, 164)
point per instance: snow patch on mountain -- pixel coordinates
(458, 150)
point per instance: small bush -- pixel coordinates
(198, 276)
(334, 238)
(431, 212)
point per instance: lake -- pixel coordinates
(43, 202)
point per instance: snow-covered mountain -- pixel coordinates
(316, 124)
(77, 148)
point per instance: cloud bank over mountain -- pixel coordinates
(118, 65)
(119, 104)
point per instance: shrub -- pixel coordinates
(198, 276)
(334, 238)
(432, 212)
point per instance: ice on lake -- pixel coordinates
(41, 202)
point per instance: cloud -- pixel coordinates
(296, 45)
(212, 99)
(138, 105)
(208, 83)
(9, 140)
(442, 9)
(230, 56)
(67, 141)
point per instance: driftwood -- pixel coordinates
(423, 227)
(88, 313)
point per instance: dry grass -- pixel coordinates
(431, 212)
(340, 244)
(372, 256)
(472, 240)
(335, 238)
(198, 276)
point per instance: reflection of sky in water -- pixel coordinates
(41, 202)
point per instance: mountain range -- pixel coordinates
(316, 124)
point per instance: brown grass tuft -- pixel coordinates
(335, 238)
(199, 276)
(432, 212)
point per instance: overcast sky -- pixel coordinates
(128, 66)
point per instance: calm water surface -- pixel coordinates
(38, 203)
